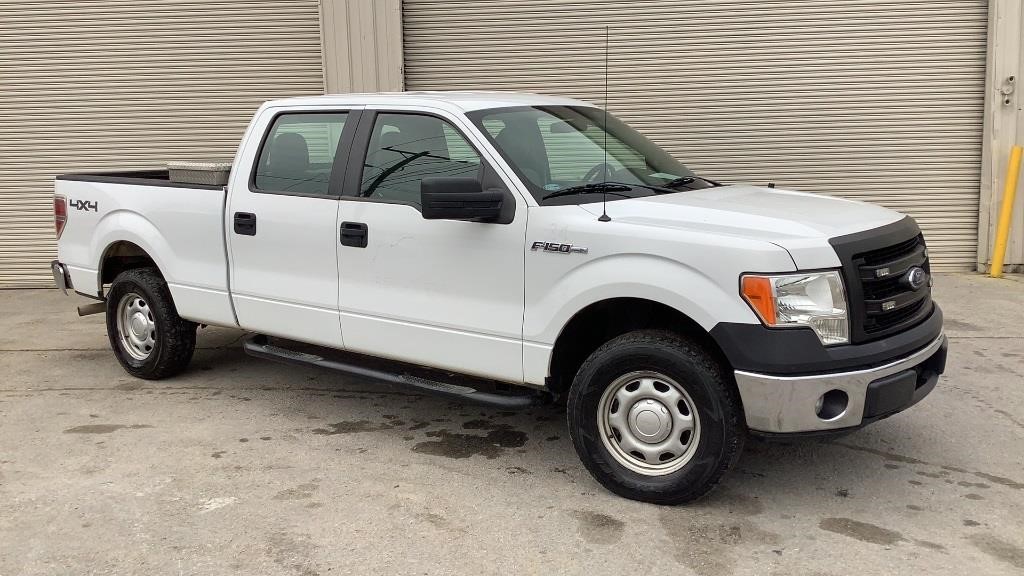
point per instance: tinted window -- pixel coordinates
(298, 154)
(555, 148)
(406, 148)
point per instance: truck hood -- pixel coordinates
(800, 223)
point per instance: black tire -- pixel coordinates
(175, 338)
(714, 396)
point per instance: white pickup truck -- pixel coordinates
(513, 248)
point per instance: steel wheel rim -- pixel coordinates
(136, 326)
(648, 423)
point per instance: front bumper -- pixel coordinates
(789, 404)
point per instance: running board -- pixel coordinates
(390, 373)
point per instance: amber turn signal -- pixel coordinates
(757, 291)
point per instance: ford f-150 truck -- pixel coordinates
(509, 248)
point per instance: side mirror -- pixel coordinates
(459, 199)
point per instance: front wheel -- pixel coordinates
(148, 337)
(654, 418)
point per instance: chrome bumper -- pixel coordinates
(789, 404)
(61, 277)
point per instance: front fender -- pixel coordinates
(643, 276)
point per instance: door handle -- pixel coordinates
(354, 234)
(245, 223)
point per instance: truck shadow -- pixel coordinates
(322, 406)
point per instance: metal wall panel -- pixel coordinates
(108, 84)
(1004, 128)
(362, 45)
(879, 100)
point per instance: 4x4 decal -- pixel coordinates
(84, 205)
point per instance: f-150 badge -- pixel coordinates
(558, 248)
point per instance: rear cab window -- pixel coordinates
(298, 153)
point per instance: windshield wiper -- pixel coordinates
(687, 180)
(607, 187)
(652, 187)
(614, 187)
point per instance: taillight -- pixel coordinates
(60, 214)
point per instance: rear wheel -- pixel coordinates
(654, 418)
(148, 337)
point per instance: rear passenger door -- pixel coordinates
(441, 293)
(282, 224)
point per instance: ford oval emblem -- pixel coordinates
(916, 277)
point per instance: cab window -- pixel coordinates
(298, 154)
(406, 148)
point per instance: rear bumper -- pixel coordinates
(61, 278)
(778, 404)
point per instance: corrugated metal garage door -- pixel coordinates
(879, 100)
(105, 84)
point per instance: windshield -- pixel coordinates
(558, 150)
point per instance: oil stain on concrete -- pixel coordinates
(435, 520)
(934, 546)
(952, 324)
(1001, 481)
(597, 528)
(104, 428)
(890, 456)
(458, 445)
(482, 424)
(999, 549)
(704, 536)
(300, 492)
(294, 553)
(863, 531)
(351, 427)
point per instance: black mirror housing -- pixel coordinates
(459, 199)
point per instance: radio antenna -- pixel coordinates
(604, 169)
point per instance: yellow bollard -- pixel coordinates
(1006, 214)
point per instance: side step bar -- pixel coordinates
(391, 373)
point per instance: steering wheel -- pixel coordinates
(593, 173)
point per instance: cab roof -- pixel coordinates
(461, 101)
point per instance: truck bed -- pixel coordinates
(159, 178)
(180, 226)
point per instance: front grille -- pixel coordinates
(875, 266)
(890, 253)
(887, 320)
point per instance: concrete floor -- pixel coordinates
(245, 466)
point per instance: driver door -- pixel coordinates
(440, 293)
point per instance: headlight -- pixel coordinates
(814, 299)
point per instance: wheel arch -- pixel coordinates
(601, 321)
(125, 240)
(122, 255)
